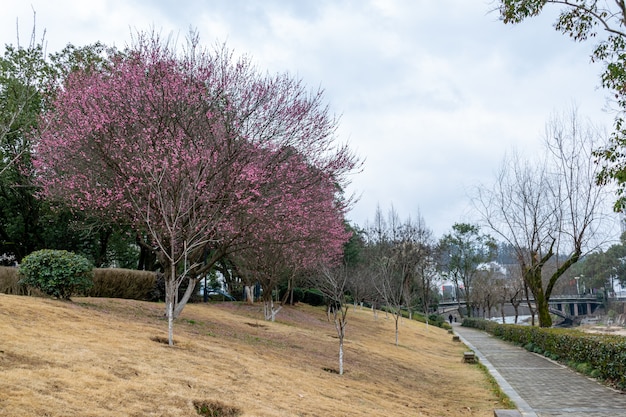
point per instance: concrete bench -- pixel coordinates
(469, 357)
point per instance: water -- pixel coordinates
(511, 319)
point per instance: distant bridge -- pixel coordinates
(565, 306)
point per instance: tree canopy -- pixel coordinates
(461, 253)
(200, 151)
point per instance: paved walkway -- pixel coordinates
(538, 386)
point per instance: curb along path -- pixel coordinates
(538, 386)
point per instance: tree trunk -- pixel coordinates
(170, 299)
(103, 243)
(248, 290)
(340, 325)
(543, 310)
(458, 299)
(541, 301)
(341, 356)
(268, 309)
(397, 317)
(170, 322)
(290, 285)
(515, 304)
(530, 306)
(147, 257)
(188, 293)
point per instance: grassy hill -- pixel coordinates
(106, 357)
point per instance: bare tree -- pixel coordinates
(487, 288)
(360, 286)
(332, 283)
(412, 254)
(399, 254)
(386, 277)
(389, 285)
(549, 208)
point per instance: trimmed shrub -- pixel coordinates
(9, 281)
(314, 297)
(298, 294)
(122, 283)
(436, 320)
(57, 273)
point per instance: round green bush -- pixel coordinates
(57, 273)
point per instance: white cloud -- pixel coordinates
(431, 93)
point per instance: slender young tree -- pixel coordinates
(423, 265)
(332, 283)
(184, 147)
(390, 287)
(383, 272)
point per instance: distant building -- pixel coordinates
(447, 292)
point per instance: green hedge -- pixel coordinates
(107, 282)
(601, 356)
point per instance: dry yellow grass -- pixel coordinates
(102, 357)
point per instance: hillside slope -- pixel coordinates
(106, 357)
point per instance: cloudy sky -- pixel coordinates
(431, 93)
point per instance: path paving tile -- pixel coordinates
(539, 386)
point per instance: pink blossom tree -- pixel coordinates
(184, 146)
(303, 229)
